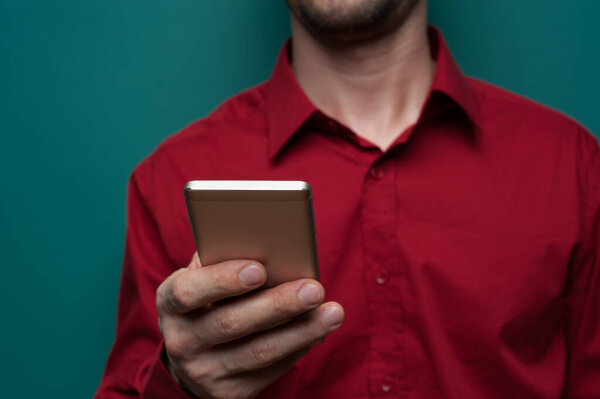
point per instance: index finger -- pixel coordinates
(192, 288)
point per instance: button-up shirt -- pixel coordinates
(466, 255)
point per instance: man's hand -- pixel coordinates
(235, 348)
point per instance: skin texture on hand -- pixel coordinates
(222, 344)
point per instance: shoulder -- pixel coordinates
(531, 125)
(202, 149)
(540, 134)
(501, 105)
(244, 109)
(517, 113)
(198, 148)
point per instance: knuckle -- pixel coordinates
(262, 353)
(229, 366)
(176, 345)
(182, 293)
(278, 302)
(202, 372)
(229, 322)
(160, 296)
(220, 280)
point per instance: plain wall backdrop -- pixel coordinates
(88, 88)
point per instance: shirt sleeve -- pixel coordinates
(583, 288)
(135, 368)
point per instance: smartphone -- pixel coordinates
(270, 221)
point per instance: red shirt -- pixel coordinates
(466, 256)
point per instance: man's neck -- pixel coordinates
(377, 88)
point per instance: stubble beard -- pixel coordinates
(351, 21)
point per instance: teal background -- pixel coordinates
(88, 88)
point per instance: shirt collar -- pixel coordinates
(449, 79)
(288, 107)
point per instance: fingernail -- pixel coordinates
(309, 294)
(251, 275)
(332, 316)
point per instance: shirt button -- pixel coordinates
(382, 276)
(376, 173)
(387, 385)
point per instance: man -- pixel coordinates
(457, 224)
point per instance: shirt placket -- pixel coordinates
(382, 270)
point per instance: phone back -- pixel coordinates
(272, 226)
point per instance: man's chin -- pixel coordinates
(349, 21)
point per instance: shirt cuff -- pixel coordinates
(160, 383)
